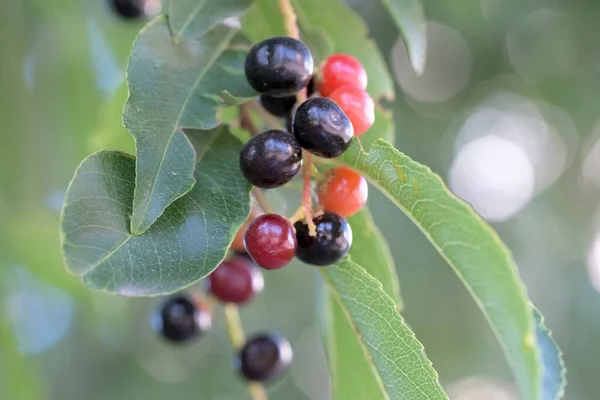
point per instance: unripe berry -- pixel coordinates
(339, 70)
(270, 241)
(358, 106)
(342, 191)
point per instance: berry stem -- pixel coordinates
(246, 122)
(291, 28)
(237, 337)
(306, 199)
(261, 199)
(289, 18)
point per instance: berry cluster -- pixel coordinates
(181, 319)
(338, 108)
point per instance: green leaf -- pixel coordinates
(172, 87)
(467, 243)
(383, 128)
(351, 373)
(554, 378)
(263, 21)
(396, 357)
(349, 34)
(371, 250)
(185, 244)
(410, 19)
(190, 19)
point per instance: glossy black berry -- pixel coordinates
(128, 9)
(329, 245)
(279, 66)
(271, 159)
(264, 357)
(278, 106)
(179, 319)
(321, 127)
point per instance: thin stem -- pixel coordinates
(289, 18)
(246, 120)
(237, 337)
(291, 28)
(262, 201)
(306, 199)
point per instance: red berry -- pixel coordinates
(238, 241)
(343, 191)
(270, 241)
(236, 280)
(357, 105)
(338, 70)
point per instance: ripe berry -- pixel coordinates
(279, 66)
(179, 319)
(321, 127)
(271, 159)
(278, 106)
(238, 241)
(331, 243)
(264, 357)
(270, 241)
(128, 9)
(358, 106)
(343, 191)
(236, 280)
(338, 70)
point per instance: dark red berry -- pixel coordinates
(128, 9)
(338, 70)
(270, 241)
(279, 66)
(278, 106)
(357, 105)
(321, 127)
(331, 243)
(264, 357)
(238, 241)
(271, 159)
(236, 280)
(178, 319)
(342, 191)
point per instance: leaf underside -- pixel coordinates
(395, 357)
(467, 243)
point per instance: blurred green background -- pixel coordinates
(507, 111)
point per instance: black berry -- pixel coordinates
(329, 245)
(264, 357)
(278, 106)
(179, 320)
(321, 127)
(271, 159)
(279, 66)
(128, 9)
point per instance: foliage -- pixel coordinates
(160, 221)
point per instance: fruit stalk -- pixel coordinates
(237, 337)
(291, 28)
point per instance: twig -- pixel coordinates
(237, 337)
